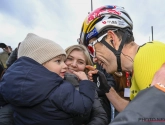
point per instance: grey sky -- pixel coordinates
(61, 20)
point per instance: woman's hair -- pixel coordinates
(83, 49)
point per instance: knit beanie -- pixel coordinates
(39, 49)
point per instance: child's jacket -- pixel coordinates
(39, 96)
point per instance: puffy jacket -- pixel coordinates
(6, 115)
(97, 116)
(147, 108)
(39, 96)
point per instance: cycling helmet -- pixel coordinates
(103, 19)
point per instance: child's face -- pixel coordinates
(76, 61)
(57, 65)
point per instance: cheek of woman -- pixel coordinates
(81, 67)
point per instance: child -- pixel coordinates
(35, 88)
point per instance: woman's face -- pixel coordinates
(76, 61)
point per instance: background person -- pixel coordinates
(13, 56)
(4, 56)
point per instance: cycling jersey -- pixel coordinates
(147, 61)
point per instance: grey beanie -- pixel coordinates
(39, 49)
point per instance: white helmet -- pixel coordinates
(103, 18)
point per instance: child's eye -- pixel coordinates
(58, 61)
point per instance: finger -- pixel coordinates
(89, 67)
(90, 78)
(93, 72)
(90, 74)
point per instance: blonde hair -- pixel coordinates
(83, 49)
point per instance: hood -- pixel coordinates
(27, 83)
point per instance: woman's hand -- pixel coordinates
(81, 75)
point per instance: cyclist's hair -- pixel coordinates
(120, 33)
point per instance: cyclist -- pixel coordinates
(107, 33)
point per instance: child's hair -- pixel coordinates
(83, 49)
(39, 49)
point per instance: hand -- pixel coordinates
(81, 75)
(92, 71)
(159, 76)
(99, 78)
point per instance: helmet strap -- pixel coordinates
(117, 53)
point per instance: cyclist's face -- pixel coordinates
(104, 57)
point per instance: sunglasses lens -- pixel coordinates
(91, 50)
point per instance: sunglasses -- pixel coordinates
(91, 48)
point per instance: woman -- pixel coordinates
(77, 58)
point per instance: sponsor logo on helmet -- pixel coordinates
(91, 34)
(102, 10)
(121, 22)
(110, 22)
(104, 22)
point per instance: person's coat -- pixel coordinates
(39, 96)
(97, 116)
(147, 108)
(6, 115)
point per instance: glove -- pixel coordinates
(101, 82)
